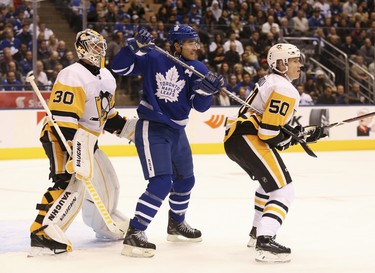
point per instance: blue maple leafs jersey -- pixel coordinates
(168, 94)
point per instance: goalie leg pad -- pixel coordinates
(63, 211)
(107, 186)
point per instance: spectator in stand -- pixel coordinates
(236, 26)
(270, 26)
(12, 67)
(68, 59)
(256, 43)
(9, 41)
(217, 41)
(350, 7)
(11, 83)
(195, 15)
(247, 83)
(26, 64)
(53, 42)
(41, 78)
(232, 56)
(17, 22)
(305, 99)
(348, 47)
(371, 67)
(327, 97)
(233, 39)
(341, 97)
(367, 51)
(317, 20)
(25, 36)
(217, 57)
(124, 26)
(136, 8)
(336, 7)
(249, 28)
(216, 10)
(325, 9)
(61, 48)
(250, 59)
(43, 52)
(359, 70)
(42, 28)
(50, 63)
(238, 70)
(114, 46)
(222, 99)
(285, 29)
(242, 94)
(301, 24)
(7, 58)
(232, 85)
(224, 22)
(355, 96)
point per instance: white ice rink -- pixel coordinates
(330, 226)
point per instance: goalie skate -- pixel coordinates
(269, 251)
(137, 245)
(182, 232)
(42, 246)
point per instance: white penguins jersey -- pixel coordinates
(274, 101)
(79, 99)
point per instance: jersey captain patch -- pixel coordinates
(169, 87)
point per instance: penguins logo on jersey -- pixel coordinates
(169, 86)
(104, 104)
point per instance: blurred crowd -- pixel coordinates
(235, 36)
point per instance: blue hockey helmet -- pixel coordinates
(180, 33)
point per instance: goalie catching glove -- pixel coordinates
(128, 131)
(209, 85)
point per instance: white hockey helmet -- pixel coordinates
(282, 52)
(91, 46)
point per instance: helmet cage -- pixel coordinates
(91, 45)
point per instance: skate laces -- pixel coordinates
(141, 235)
(184, 226)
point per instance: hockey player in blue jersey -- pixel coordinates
(169, 93)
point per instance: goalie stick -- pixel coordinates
(112, 226)
(301, 141)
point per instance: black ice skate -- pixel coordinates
(267, 250)
(182, 232)
(253, 237)
(137, 245)
(41, 245)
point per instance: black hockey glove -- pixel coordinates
(209, 85)
(143, 41)
(316, 135)
(288, 140)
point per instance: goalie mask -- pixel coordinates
(282, 52)
(91, 46)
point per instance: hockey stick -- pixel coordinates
(301, 141)
(112, 226)
(349, 120)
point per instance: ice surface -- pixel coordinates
(330, 226)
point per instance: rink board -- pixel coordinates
(20, 129)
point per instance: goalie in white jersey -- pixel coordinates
(83, 97)
(252, 141)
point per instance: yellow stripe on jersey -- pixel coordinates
(278, 111)
(267, 156)
(68, 99)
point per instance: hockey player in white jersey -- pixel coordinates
(169, 93)
(82, 98)
(252, 141)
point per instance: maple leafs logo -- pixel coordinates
(169, 87)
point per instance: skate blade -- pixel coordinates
(180, 238)
(251, 242)
(41, 251)
(137, 252)
(269, 257)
